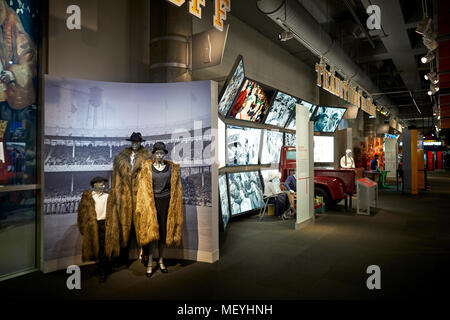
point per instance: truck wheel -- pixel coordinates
(322, 192)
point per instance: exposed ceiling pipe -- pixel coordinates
(292, 16)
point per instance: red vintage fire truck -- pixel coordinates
(334, 185)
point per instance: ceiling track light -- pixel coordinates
(428, 57)
(424, 25)
(285, 35)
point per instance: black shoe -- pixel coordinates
(163, 270)
(148, 274)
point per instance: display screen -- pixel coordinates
(245, 192)
(292, 122)
(251, 104)
(290, 139)
(323, 149)
(223, 191)
(242, 145)
(221, 143)
(282, 108)
(310, 106)
(271, 147)
(231, 88)
(327, 119)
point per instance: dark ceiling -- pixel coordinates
(396, 73)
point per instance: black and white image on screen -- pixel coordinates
(290, 139)
(327, 119)
(223, 190)
(242, 146)
(232, 89)
(272, 143)
(281, 109)
(245, 192)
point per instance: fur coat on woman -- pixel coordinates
(87, 224)
(124, 187)
(145, 218)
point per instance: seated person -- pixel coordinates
(374, 164)
(278, 197)
(291, 187)
(291, 183)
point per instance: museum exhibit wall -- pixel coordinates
(265, 61)
(19, 117)
(112, 45)
(86, 124)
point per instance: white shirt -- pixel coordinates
(133, 156)
(347, 162)
(100, 204)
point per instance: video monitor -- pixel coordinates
(231, 87)
(242, 145)
(292, 122)
(323, 149)
(327, 119)
(245, 192)
(223, 191)
(252, 102)
(221, 143)
(310, 106)
(290, 139)
(282, 107)
(271, 147)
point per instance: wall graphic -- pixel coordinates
(86, 124)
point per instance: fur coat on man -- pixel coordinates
(87, 224)
(145, 217)
(124, 188)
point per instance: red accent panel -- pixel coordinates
(439, 159)
(430, 160)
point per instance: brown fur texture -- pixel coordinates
(124, 188)
(145, 218)
(112, 229)
(87, 224)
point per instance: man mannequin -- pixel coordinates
(159, 207)
(94, 216)
(126, 167)
(347, 160)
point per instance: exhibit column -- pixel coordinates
(410, 160)
(391, 157)
(170, 36)
(304, 173)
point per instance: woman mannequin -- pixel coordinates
(159, 207)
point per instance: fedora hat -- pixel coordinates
(98, 179)
(136, 137)
(159, 146)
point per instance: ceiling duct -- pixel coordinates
(293, 17)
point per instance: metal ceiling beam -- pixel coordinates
(397, 40)
(358, 22)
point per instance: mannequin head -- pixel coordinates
(135, 145)
(348, 152)
(136, 141)
(99, 184)
(159, 151)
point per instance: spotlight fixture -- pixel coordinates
(433, 89)
(285, 36)
(429, 41)
(432, 76)
(424, 25)
(428, 57)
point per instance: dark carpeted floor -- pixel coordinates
(408, 237)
